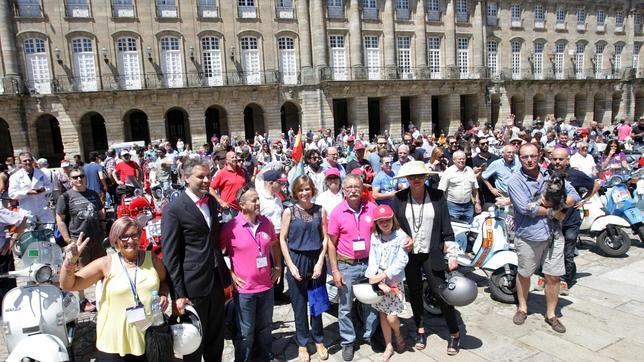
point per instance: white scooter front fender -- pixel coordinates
(600, 223)
(499, 259)
(40, 347)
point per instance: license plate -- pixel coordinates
(634, 215)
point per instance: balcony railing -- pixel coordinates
(208, 11)
(336, 12)
(560, 25)
(284, 12)
(77, 10)
(491, 20)
(601, 28)
(516, 23)
(399, 73)
(28, 10)
(247, 12)
(619, 28)
(462, 17)
(11, 85)
(433, 15)
(539, 24)
(403, 14)
(122, 11)
(581, 26)
(167, 11)
(370, 13)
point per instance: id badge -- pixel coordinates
(136, 316)
(359, 245)
(262, 262)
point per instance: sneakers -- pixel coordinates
(556, 324)
(563, 288)
(519, 317)
(541, 283)
(347, 352)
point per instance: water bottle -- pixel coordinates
(157, 313)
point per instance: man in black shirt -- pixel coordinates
(638, 131)
(479, 164)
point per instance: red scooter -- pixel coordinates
(139, 205)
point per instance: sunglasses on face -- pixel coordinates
(78, 177)
(452, 143)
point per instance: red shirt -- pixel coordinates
(228, 182)
(125, 169)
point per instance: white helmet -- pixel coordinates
(187, 333)
(366, 294)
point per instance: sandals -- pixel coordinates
(453, 345)
(303, 355)
(387, 354)
(421, 341)
(399, 343)
(323, 352)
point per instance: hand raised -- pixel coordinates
(76, 247)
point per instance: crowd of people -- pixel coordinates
(297, 209)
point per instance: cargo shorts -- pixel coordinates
(549, 255)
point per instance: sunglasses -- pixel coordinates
(78, 177)
(416, 177)
(452, 143)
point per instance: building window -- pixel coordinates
(285, 9)
(433, 10)
(539, 17)
(492, 57)
(636, 58)
(369, 9)
(617, 61)
(338, 57)
(28, 8)
(599, 61)
(462, 15)
(335, 8)
(434, 57)
(637, 22)
(560, 19)
(537, 61)
(128, 63)
(463, 57)
(372, 56)
(167, 8)
(404, 57)
(402, 10)
(601, 20)
(515, 11)
(619, 21)
(208, 9)
(288, 60)
(579, 61)
(84, 65)
(213, 74)
(516, 59)
(247, 9)
(559, 60)
(77, 8)
(491, 14)
(171, 64)
(123, 8)
(250, 60)
(581, 19)
(37, 66)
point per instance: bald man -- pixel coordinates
(459, 184)
(225, 184)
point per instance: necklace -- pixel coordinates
(416, 225)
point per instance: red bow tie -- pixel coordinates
(202, 200)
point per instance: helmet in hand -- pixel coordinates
(187, 333)
(458, 290)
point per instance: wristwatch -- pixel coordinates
(550, 214)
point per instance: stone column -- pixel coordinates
(318, 27)
(8, 40)
(358, 114)
(478, 43)
(608, 109)
(421, 33)
(235, 114)
(570, 109)
(273, 121)
(156, 123)
(590, 109)
(355, 34)
(450, 34)
(454, 111)
(421, 112)
(389, 36)
(114, 125)
(550, 103)
(482, 109)
(528, 109)
(504, 108)
(390, 114)
(196, 117)
(304, 33)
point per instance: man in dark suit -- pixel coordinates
(197, 271)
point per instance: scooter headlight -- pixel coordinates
(42, 274)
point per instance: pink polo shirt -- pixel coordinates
(237, 237)
(344, 224)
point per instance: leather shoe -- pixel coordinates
(347, 352)
(519, 317)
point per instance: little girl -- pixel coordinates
(387, 261)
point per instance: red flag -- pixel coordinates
(298, 148)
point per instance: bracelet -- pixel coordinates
(334, 271)
(69, 266)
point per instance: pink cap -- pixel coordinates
(331, 172)
(359, 146)
(357, 171)
(351, 138)
(383, 212)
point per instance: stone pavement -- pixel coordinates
(604, 315)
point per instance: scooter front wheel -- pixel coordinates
(503, 284)
(615, 242)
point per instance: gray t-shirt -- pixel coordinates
(81, 212)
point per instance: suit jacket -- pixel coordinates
(441, 228)
(191, 252)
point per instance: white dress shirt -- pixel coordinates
(205, 211)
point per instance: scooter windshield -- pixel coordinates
(43, 252)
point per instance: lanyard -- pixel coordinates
(356, 217)
(137, 301)
(259, 246)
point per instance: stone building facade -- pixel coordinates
(78, 75)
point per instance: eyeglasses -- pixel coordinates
(516, 143)
(77, 177)
(386, 163)
(416, 177)
(452, 143)
(528, 157)
(314, 158)
(129, 237)
(353, 187)
(483, 143)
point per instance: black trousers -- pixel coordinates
(115, 357)
(570, 234)
(211, 312)
(6, 265)
(417, 265)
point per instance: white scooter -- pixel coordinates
(491, 252)
(39, 319)
(608, 229)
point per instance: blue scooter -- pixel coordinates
(620, 202)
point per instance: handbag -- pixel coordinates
(159, 342)
(318, 298)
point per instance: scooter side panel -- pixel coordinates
(634, 216)
(601, 222)
(500, 258)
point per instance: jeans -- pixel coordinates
(570, 234)
(353, 274)
(462, 212)
(254, 314)
(305, 261)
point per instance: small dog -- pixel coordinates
(555, 193)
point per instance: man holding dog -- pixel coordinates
(539, 240)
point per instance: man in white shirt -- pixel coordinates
(31, 187)
(460, 185)
(582, 161)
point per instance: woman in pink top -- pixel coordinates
(255, 264)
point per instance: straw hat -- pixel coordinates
(413, 168)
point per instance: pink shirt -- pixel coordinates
(237, 237)
(624, 131)
(348, 226)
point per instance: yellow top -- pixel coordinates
(113, 333)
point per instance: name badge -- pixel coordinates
(359, 245)
(262, 261)
(136, 316)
